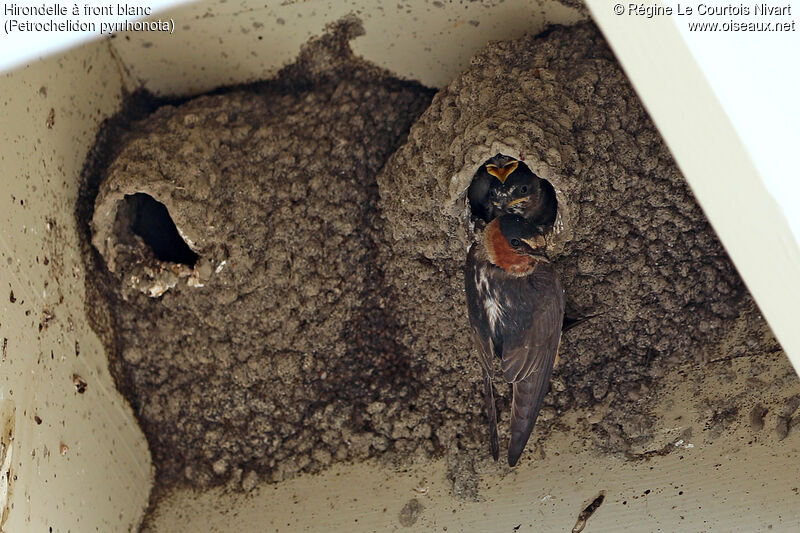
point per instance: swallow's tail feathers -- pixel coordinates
(527, 399)
(491, 412)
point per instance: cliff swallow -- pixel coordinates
(504, 185)
(516, 309)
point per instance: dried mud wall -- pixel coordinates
(324, 318)
(630, 243)
(256, 360)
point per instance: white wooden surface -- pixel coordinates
(101, 482)
(730, 187)
(79, 462)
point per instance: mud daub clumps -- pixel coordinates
(265, 355)
(324, 317)
(631, 242)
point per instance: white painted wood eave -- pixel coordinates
(716, 163)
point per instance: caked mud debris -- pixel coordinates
(276, 270)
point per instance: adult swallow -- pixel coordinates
(504, 185)
(516, 309)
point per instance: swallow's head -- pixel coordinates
(515, 244)
(514, 188)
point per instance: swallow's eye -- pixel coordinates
(523, 189)
(515, 243)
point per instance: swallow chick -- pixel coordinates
(516, 309)
(504, 185)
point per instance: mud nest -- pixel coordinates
(304, 302)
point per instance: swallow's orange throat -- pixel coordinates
(501, 253)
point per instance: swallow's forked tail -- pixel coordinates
(491, 412)
(528, 396)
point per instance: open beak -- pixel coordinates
(518, 201)
(502, 173)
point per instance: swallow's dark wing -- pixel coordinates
(529, 353)
(531, 335)
(526, 401)
(481, 332)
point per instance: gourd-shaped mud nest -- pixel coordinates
(283, 263)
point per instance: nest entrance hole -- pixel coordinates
(151, 221)
(503, 180)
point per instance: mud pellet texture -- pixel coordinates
(631, 244)
(265, 355)
(323, 319)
